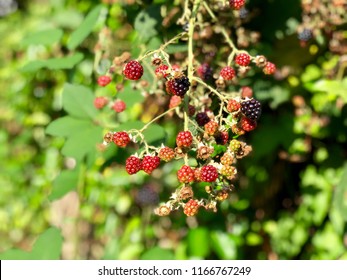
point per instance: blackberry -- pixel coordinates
(147, 196)
(243, 13)
(205, 72)
(178, 86)
(202, 118)
(251, 109)
(305, 35)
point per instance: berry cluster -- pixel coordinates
(322, 18)
(212, 118)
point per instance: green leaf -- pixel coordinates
(218, 149)
(47, 247)
(145, 26)
(64, 183)
(130, 96)
(46, 37)
(78, 101)
(158, 253)
(196, 237)
(86, 27)
(67, 62)
(340, 195)
(83, 142)
(224, 246)
(154, 133)
(67, 126)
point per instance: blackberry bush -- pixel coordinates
(197, 88)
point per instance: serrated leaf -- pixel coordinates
(158, 253)
(46, 37)
(47, 247)
(67, 126)
(78, 101)
(86, 27)
(65, 182)
(80, 144)
(67, 62)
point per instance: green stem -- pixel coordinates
(209, 87)
(155, 119)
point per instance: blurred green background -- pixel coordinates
(63, 198)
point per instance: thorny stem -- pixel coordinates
(155, 119)
(209, 87)
(190, 73)
(162, 47)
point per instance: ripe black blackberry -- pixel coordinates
(251, 109)
(147, 196)
(178, 86)
(243, 13)
(205, 72)
(305, 35)
(202, 118)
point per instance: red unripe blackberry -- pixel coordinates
(202, 118)
(269, 68)
(243, 59)
(248, 124)
(222, 138)
(133, 165)
(246, 92)
(237, 4)
(205, 72)
(100, 102)
(166, 154)
(233, 106)
(251, 109)
(104, 80)
(191, 207)
(119, 106)
(121, 139)
(161, 71)
(184, 139)
(211, 127)
(175, 101)
(178, 86)
(133, 70)
(149, 163)
(185, 174)
(209, 173)
(227, 73)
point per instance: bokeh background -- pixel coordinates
(64, 197)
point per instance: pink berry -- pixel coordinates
(119, 106)
(100, 102)
(104, 80)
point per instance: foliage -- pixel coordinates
(59, 185)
